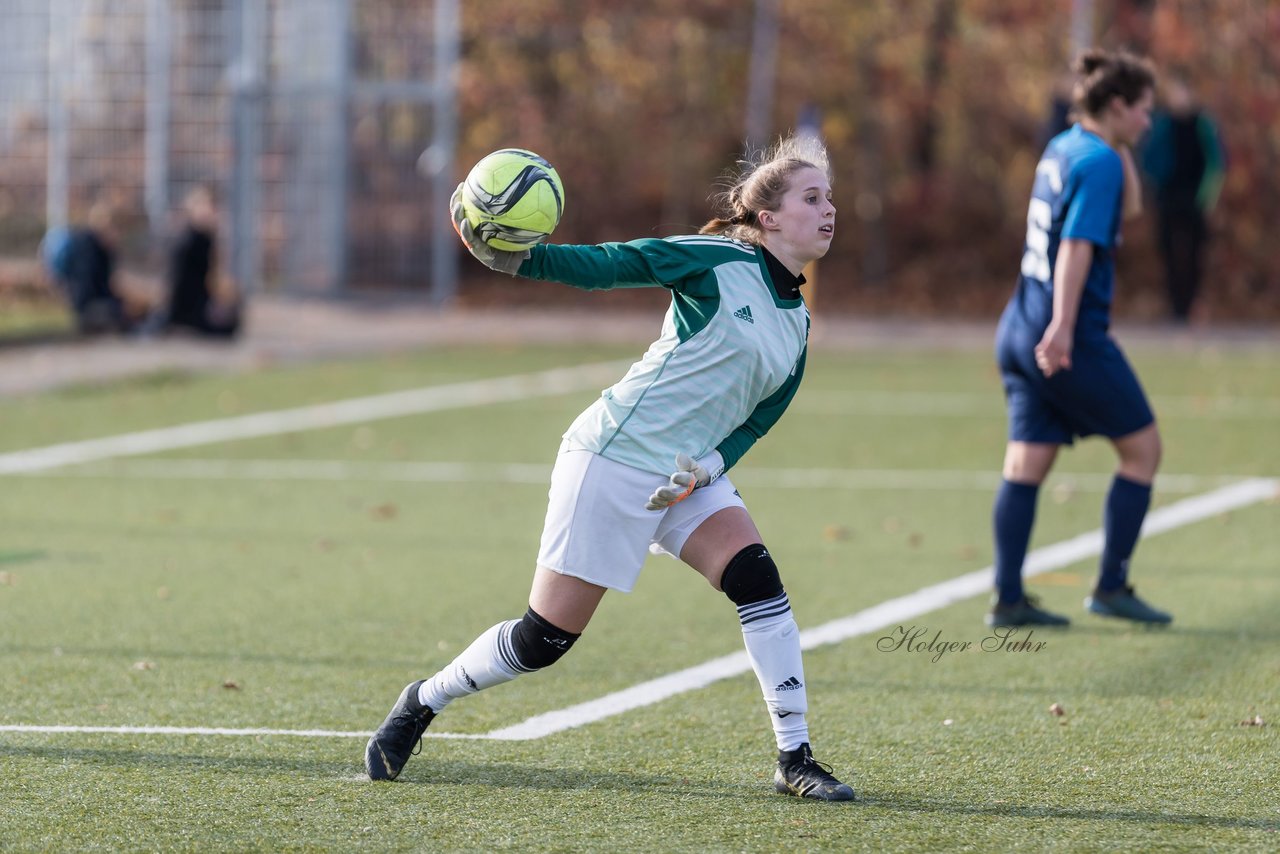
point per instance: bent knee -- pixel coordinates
(537, 643)
(1140, 453)
(1028, 462)
(751, 576)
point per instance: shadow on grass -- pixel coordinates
(506, 776)
(1238, 639)
(1239, 632)
(135, 758)
(921, 805)
(16, 339)
(22, 557)
(131, 654)
(947, 685)
(422, 773)
(1252, 632)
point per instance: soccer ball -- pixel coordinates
(513, 199)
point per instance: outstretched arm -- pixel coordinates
(638, 264)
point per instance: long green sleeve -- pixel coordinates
(647, 262)
(1214, 165)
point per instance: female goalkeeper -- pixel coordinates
(728, 362)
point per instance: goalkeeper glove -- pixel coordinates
(688, 476)
(494, 259)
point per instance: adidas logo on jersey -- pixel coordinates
(792, 684)
(744, 313)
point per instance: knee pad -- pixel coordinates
(538, 644)
(751, 576)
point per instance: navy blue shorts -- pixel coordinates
(1100, 394)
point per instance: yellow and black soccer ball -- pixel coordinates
(513, 199)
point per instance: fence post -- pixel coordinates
(763, 70)
(156, 171)
(440, 160)
(59, 145)
(340, 148)
(247, 21)
(1081, 27)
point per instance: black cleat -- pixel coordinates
(1025, 612)
(399, 737)
(801, 775)
(1125, 604)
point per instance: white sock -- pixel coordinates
(487, 662)
(773, 644)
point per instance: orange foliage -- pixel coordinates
(641, 107)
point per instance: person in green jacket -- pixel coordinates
(1184, 158)
(726, 365)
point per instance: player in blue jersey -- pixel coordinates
(1063, 374)
(727, 364)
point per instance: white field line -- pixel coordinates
(352, 411)
(308, 470)
(521, 387)
(875, 618)
(885, 614)
(200, 730)
(538, 474)
(967, 404)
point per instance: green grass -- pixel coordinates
(23, 318)
(137, 600)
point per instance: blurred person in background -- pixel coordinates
(1064, 375)
(728, 362)
(88, 273)
(1184, 159)
(1059, 117)
(193, 298)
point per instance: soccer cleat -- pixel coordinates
(1126, 605)
(1025, 612)
(399, 737)
(801, 775)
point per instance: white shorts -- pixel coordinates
(597, 528)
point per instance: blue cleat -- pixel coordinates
(1126, 605)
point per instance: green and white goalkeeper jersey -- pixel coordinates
(726, 366)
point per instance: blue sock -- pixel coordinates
(1013, 516)
(1127, 504)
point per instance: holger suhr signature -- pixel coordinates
(918, 639)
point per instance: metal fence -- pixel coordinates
(309, 119)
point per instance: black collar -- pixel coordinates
(785, 285)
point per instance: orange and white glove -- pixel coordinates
(494, 259)
(688, 476)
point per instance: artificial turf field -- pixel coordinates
(296, 581)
